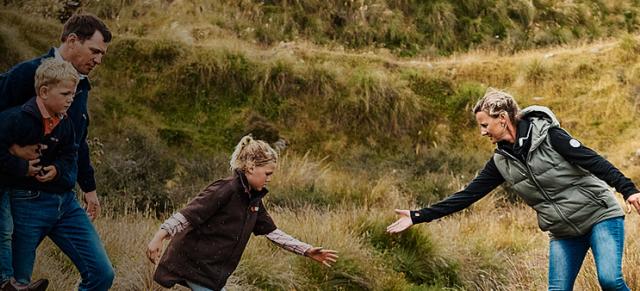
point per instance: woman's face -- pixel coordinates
(258, 177)
(493, 128)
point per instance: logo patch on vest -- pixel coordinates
(574, 143)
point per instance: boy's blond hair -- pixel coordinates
(53, 71)
(252, 153)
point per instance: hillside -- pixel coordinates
(375, 116)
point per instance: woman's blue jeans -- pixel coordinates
(606, 240)
(37, 214)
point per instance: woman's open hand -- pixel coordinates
(402, 223)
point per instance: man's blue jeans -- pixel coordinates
(37, 214)
(6, 229)
(606, 240)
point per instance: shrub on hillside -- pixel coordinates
(411, 253)
(133, 174)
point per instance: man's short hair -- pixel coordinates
(84, 26)
(53, 71)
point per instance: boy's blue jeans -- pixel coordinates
(606, 240)
(37, 214)
(6, 229)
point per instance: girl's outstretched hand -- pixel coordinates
(402, 223)
(154, 248)
(326, 257)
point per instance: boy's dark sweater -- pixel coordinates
(23, 125)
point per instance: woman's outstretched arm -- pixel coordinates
(487, 180)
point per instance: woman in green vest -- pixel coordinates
(565, 182)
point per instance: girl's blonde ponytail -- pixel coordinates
(252, 153)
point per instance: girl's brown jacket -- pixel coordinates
(222, 218)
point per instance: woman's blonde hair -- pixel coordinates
(252, 153)
(494, 102)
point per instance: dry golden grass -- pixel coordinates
(125, 239)
(497, 247)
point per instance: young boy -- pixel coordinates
(40, 124)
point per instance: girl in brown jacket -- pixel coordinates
(209, 235)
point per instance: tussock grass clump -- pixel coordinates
(298, 182)
(302, 181)
(411, 253)
(380, 105)
(151, 55)
(536, 72)
(431, 187)
(265, 266)
(489, 244)
(135, 172)
(628, 49)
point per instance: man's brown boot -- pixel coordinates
(38, 285)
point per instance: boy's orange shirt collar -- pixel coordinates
(49, 122)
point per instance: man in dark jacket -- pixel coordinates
(42, 199)
(84, 42)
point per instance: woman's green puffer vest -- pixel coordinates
(568, 199)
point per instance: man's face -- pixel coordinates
(58, 98)
(87, 54)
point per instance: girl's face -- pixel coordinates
(258, 177)
(495, 129)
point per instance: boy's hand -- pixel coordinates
(48, 173)
(28, 152)
(33, 169)
(326, 257)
